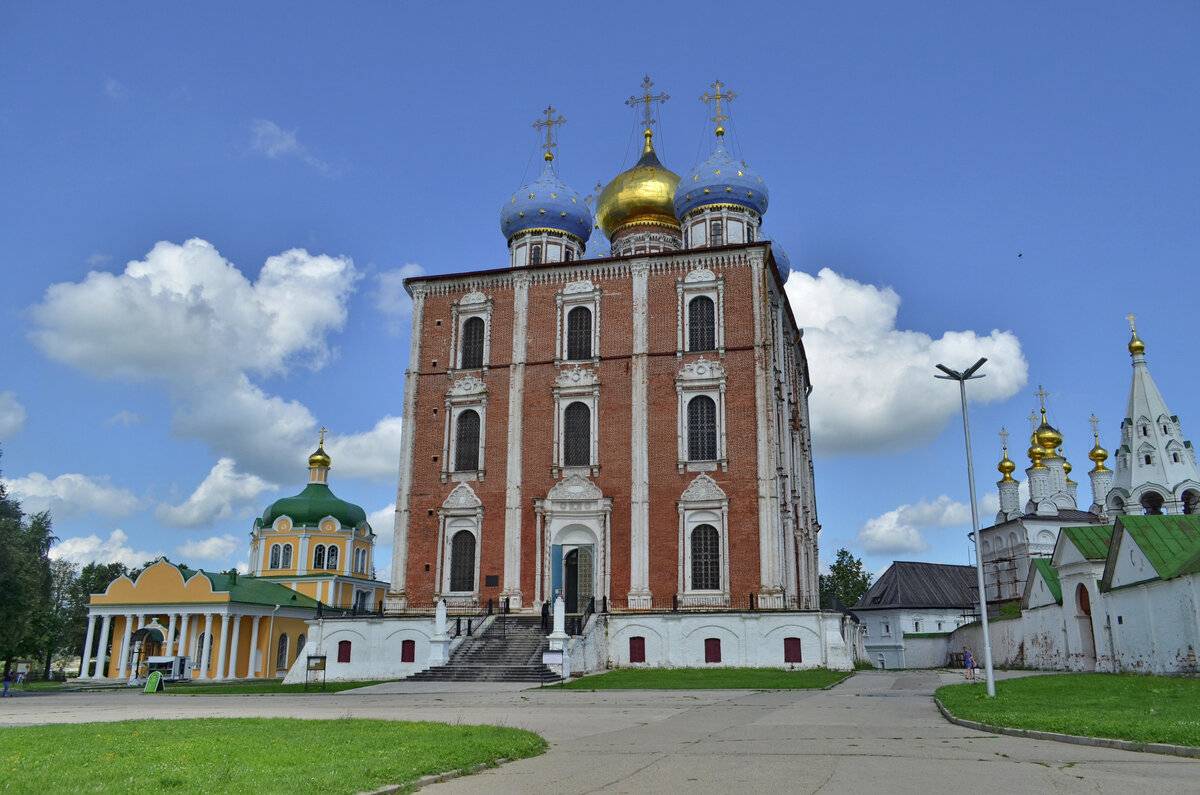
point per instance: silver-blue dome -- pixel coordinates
(546, 203)
(720, 179)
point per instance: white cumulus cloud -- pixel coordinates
(12, 415)
(71, 494)
(383, 522)
(391, 299)
(222, 493)
(899, 530)
(215, 548)
(873, 383)
(82, 550)
(269, 139)
(374, 453)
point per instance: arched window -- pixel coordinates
(637, 649)
(408, 651)
(466, 442)
(274, 556)
(343, 651)
(579, 333)
(331, 557)
(716, 233)
(1148, 459)
(1175, 457)
(577, 435)
(791, 650)
(702, 429)
(472, 343)
(706, 558)
(319, 557)
(462, 562)
(749, 233)
(1152, 503)
(702, 324)
(286, 557)
(281, 654)
(1083, 602)
(535, 254)
(300, 643)
(1191, 502)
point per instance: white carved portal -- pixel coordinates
(574, 543)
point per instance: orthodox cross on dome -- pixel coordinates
(548, 124)
(1033, 420)
(715, 100)
(322, 432)
(1042, 394)
(1004, 438)
(1132, 318)
(647, 100)
(1094, 421)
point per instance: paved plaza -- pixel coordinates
(877, 732)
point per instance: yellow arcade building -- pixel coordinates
(308, 553)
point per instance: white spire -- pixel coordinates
(1154, 456)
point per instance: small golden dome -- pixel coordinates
(640, 196)
(1098, 455)
(1036, 454)
(1006, 466)
(1047, 437)
(319, 459)
(1067, 468)
(1136, 345)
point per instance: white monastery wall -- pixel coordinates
(375, 647)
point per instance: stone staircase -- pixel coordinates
(510, 650)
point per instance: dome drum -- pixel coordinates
(544, 245)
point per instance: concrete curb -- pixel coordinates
(841, 681)
(436, 778)
(1074, 739)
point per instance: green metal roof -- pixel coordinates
(1170, 542)
(1050, 575)
(312, 505)
(1092, 541)
(252, 590)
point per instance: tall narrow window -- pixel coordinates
(702, 324)
(577, 435)
(331, 557)
(281, 654)
(716, 233)
(706, 558)
(569, 255)
(466, 442)
(274, 556)
(749, 233)
(579, 333)
(286, 558)
(535, 254)
(343, 651)
(702, 429)
(472, 343)
(462, 562)
(319, 557)
(300, 643)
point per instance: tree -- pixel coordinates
(25, 580)
(846, 582)
(92, 578)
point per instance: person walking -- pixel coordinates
(969, 664)
(8, 680)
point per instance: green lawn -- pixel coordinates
(39, 685)
(264, 686)
(708, 679)
(261, 755)
(1159, 709)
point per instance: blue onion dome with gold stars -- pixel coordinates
(721, 179)
(547, 202)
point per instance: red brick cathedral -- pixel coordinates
(631, 426)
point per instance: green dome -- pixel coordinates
(312, 505)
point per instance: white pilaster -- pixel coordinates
(252, 662)
(168, 647)
(181, 645)
(347, 550)
(84, 673)
(236, 631)
(223, 649)
(639, 506)
(102, 649)
(513, 469)
(770, 592)
(397, 598)
(124, 658)
(206, 651)
(302, 557)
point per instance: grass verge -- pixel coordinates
(1151, 709)
(708, 679)
(261, 755)
(261, 687)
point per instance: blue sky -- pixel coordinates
(916, 149)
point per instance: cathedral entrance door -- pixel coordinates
(571, 581)
(578, 578)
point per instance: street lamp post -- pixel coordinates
(962, 379)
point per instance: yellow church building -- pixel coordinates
(310, 554)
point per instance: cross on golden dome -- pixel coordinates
(715, 100)
(1041, 395)
(321, 439)
(1004, 437)
(1136, 345)
(1094, 421)
(647, 100)
(548, 124)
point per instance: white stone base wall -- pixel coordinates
(375, 647)
(754, 640)
(927, 652)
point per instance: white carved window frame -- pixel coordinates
(467, 393)
(578, 293)
(576, 385)
(701, 377)
(452, 519)
(699, 281)
(473, 304)
(703, 502)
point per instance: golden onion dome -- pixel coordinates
(1036, 454)
(1047, 437)
(643, 195)
(320, 458)
(1006, 466)
(1067, 468)
(1136, 346)
(1098, 455)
